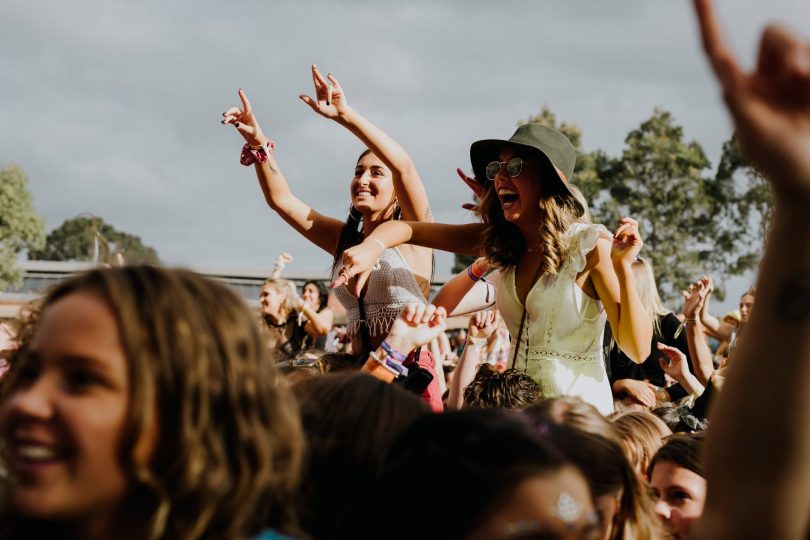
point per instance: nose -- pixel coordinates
(662, 509)
(34, 401)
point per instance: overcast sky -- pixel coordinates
(112, 107)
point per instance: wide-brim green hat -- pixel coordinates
(548, 144)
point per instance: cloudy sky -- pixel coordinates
(112, 107)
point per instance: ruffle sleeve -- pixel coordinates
(583, 238)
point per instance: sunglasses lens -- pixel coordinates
(514, 166)
(492, 170)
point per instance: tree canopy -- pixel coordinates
(20, 225)
(77, 239)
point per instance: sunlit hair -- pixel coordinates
(286, 289)
(609, 473)
(503, 242)
(512, 389)
(229, 441)
(642, 433)
(573, 412)
(580, 197)
(752, 291)
(648, 293)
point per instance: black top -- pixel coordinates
(620, 366)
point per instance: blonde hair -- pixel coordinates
(648, 292)
(228, 454)
(642, 434)
(286, 288)
(503, 242)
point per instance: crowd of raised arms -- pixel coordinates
(142, 402)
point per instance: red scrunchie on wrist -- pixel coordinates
(256, 155)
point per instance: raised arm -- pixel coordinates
(468, 291)
(481, 325)
(330, 102)
(321, 230)
(758, 447)
(612, 276)
(713, 326)
(360, 259)
(699, 351)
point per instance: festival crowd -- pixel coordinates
(151, 403)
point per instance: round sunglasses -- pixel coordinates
(513, 167)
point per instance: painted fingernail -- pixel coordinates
(236, 124)
(327, 102)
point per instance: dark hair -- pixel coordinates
(349, 420)
(323, 292)
(352, 232)
(478, 455)
(512, 389)
(684, 450)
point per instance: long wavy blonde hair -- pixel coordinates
(229, 447)
(503, 242)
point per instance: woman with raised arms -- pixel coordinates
(557, 277)
(385, 186)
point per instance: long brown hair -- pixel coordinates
(228, 453)
(503, 242)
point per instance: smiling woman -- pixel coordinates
(117, 415)
(385, 187)
(559, 277)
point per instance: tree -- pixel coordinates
(20, 225)
(659, 180)
(75, 240)
(743, 198)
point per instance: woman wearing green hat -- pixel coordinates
(557, 277)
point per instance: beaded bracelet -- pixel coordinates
(395, 354)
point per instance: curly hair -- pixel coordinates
(229, 440)
(503, 242)
(511, 389)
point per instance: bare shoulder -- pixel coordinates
(600, 252)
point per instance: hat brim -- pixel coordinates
(482, 153)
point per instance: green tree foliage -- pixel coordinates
(742, 197)
(20, 226)
(659, 180)
(74, 240)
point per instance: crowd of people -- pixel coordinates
(146, 402)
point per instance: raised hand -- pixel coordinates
(675, 365)
(693, 299)
(627, 242)
(483, 323)
(330, 100)
(245, 122)
(418, 324)
(476, 188)
(359, 261)
(771, 105)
